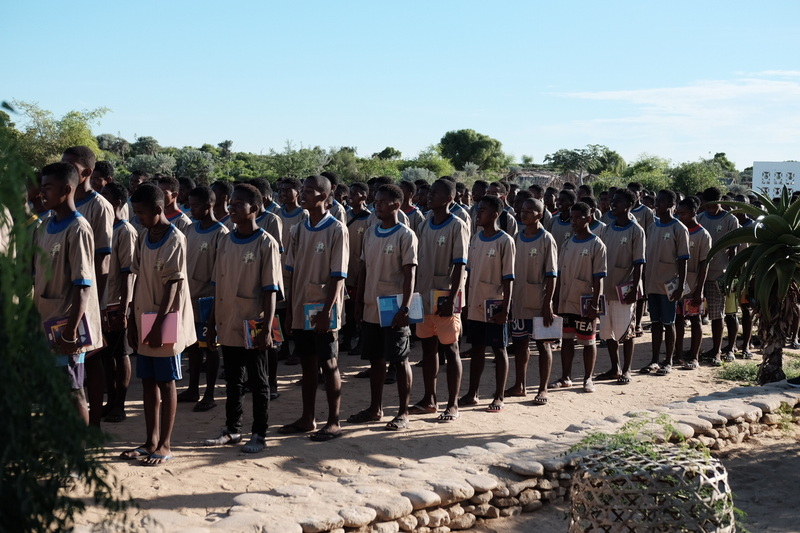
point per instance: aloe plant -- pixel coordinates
(768, 271)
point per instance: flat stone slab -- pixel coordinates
(295, 491)
(482, 483)
(731, 413)
(452, 490)
(357, 516)
(422, 498)
(528, 468)
(315, 521)
(390, 508)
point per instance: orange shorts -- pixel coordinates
(446, 328)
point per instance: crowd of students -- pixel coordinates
(167, 268)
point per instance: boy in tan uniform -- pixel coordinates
(625, 246)
(119, 293)
(171, 187)
(291, 214)
(560, 223)
(317, 265)
(581, 269)
(491, 275)
(357, 224)
(69, 250)
(696, 273)
(161, 288)
(100, 216)
(412, 212)
(390, 259)
(202, 242)
(247, 281)
(667, 252)
(222, 192)
(443, 245)
(536, 270)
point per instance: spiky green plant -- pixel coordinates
(768, 271)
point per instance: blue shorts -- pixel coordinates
(161, 369)
(72, 366)
(522, 328)
(661, 308)
(487, 334)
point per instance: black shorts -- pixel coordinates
(392, 344)
(487, 334)
(323, 345)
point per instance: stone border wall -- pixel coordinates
(454, 491)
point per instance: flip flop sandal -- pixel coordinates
(588, 386)
(161, 459)
(323, 435)
(495, 408)
(690, 365)
(608, 375)
(664, 370)
(397, 423)
(717, 362)
(133, 454)
(205, 405)
(115, 418)
(466, 402)
(362, 417)
(560, 384)
(417, 409)
(447, 417)
(540, 400)
(747, 354)
(293, 429)
(652, 367)
(624, 380)
(729, 357)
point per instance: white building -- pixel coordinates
(769, 177)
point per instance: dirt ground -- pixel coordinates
(202, 481)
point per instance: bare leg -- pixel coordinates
(613, 354)
(169, 404)
(376, 379)
(454, 371)
(476, 365)
(95, 387)
(716, 336)
(333, 392)
(669, 342)
(627, 350)
(501, 375)
(657, 331)
(589, 360)
(732, 324)
(545, 366)
(522, 356)
(192, 393)
(404, 381)
(212, 369)
(747, 327)
(679, 336)
(78, 399)
(567, 356)
(152, 403)
(697, 337)
(430, 371)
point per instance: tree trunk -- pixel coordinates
(773, 334)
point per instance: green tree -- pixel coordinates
(191, 163)
(300, 162)
(724, 163)
(105, 141)
(431, 158)
(462, 146)
(152, 164)
(695, 176)
(388, 153)
(646, 163)
(225, 148)
(44, 138)
(45, 446)
(145, 146)
(121, 147)
(344, 162)
(578, 160)
(371, 167)
(416, 173)
(527, 160)
(608, 161)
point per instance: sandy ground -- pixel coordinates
(203, 481)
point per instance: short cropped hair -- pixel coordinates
(448, 185)
(588, 200)
(143, 176)
(252, 194)
(481, 183)
(148, 194)
(383, 180)
(224, 187)
(263, 186)
(460, 187)
(170, 181)
(333, 177)
(500, 185)
(568, 185)
(189, 182)
(203, 193)
(322, 183)
(295, 183)
(360, 187)
(62, 172)
(635, 186)
(690, 202)
(420, 181)
(524, 195)
(537, 204)
(394, 192)
(712, 194)
(627, 194)
(535, 188)
(117, 192)
(570, 194)
(408, 186)
(493, 203)
(84, 154)
(104, 169)
(583, 207)
(448, 178)
(670, 195)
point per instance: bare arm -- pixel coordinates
(678, 292)
(501, 317)
(264, 339)
(167, 302)
(446, 309)
(322, 320)
(702, 274)
(547, 303)
(102, 264)
(401, 318)
(80, 300)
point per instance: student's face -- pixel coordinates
(98, 182)
(605, 205)
(240, 208)
(148, 216)
(311, 197)
(183, 194)
(579, 221)
(385, 205)
(528, 214)
(134, 183)
(341, 196)
(169, 196)
(549, 198)
(620, 206)
(478, 192)
(54, 192)
(564, 203)
(485, 215)
(357, 197)
(517, 205)
(288, 194)
(663, 205)
(495, 191)
(438, 197)
(84, 173)
(466, 197)
(408, 196)
(105, 193)
(648, 201)
(198, 208)
(685, 215)
(421, 198)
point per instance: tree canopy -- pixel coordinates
(469, 146)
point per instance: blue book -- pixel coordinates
(204, 306)
(311, 309)
(389, 305)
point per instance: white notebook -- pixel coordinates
(540, 332)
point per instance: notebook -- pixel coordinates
(389, 305)
(169, 328)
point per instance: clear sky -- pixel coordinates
(679, 79)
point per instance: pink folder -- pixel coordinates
(169, 328)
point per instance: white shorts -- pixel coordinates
(617, 323)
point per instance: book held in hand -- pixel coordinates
(169, 328)
(438, 297)
(110, 315)
(586, 301)
(252, 328)
(689, 309)
(553, 331)
(389, 305)
(672, 285)
(55, 326)
(492, 307)
(311, 310)
(627, 286)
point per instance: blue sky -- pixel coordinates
(679, 79)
